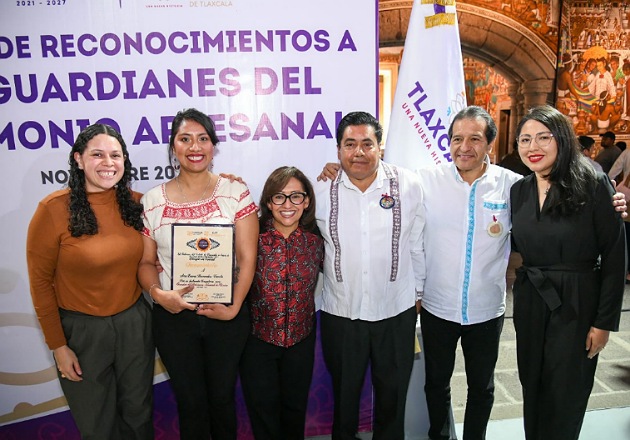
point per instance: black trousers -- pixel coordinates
(276, 382)
(627, 227)
(114, 401)
(556, 375)
(202, 356)
(388, 345)
(480, 345)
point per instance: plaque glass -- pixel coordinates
(203, 256)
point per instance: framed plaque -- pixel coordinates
(203, 256)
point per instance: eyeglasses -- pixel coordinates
(297, 198)
(542, 139)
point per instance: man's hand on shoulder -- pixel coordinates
(330, 171)
(619, 202)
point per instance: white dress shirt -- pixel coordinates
(621, 165)
(371, 271)
(596, 165)
(465, 263)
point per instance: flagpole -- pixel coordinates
(430, 88)
(429, 92)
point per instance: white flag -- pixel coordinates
(430, 88)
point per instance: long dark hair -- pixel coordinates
(276, 181)
(190, 114)
(571, 176)
(82, 218)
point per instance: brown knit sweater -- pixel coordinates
(91, 274)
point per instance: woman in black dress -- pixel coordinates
(568, 293)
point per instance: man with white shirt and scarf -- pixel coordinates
(371, 217)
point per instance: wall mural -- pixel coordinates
(592, 40)
(594, 66)
(484, 86)
(543, 17)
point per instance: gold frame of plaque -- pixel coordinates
(203, 255)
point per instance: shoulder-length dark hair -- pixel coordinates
(82, 218)
(571, 176)
(190, 114)
(276, 181)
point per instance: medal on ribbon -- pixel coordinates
(495, 228)
(387, 201)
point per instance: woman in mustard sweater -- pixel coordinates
(83, 249)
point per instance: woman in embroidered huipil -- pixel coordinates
(200, 346)
(277, 363)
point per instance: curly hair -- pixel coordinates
(572, 176)
(276, 181)
(82, 218)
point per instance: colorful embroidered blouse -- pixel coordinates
(229, 202)
(282, 296)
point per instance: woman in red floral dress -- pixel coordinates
(277, 363)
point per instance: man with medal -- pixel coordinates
(371, 217)
(467, 244)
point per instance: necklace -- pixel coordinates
(546, 190)
(184, 194)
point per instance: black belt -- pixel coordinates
(538, 277)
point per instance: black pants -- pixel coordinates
(276, 382)
(556, 374)
(627, 226)
(201, 356)
(480, 344)
(388, 345)
(114, 401)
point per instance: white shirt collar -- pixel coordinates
(458, 176)
(377, 183)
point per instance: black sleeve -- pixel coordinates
(611, 240)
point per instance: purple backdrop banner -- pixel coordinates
(271, 74)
